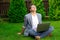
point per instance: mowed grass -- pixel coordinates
(8, 31)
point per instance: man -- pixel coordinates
(31, 21)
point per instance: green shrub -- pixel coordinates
(54, 9)
(17, 10)
(40, 7)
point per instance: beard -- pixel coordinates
(33, 10)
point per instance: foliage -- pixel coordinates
(54, 9)
(17, 10)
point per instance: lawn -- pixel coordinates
(8, 31)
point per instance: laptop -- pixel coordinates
(43, 27)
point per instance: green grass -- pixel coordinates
(8, 31)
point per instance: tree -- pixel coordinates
(17, 10)
(54, 9)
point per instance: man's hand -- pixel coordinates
(21, 31)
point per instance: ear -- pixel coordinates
(30, 9)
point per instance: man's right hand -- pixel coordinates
(21, 31)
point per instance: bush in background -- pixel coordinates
(17, 10)
(54, 9)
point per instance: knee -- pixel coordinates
(32, 32)
(51, 28)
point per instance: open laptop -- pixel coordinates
(43, 27)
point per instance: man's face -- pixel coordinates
(33, 8)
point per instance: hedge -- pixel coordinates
(54, 9)
(17, 10)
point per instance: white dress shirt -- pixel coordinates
(34, 22)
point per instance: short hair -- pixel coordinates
(30, 6)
